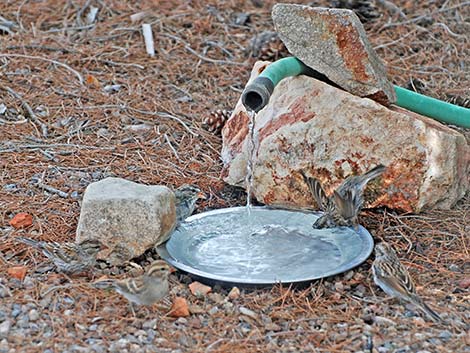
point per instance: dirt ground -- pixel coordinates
(66, 125)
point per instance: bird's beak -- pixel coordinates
(201, 196)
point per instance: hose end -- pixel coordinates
(257, 94)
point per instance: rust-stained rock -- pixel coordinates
(18, 272)
(198, 289)
(179, 308)
(334, 42)
(21, 220)
(330, 134)
(129, 218)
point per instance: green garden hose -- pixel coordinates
(257, 94)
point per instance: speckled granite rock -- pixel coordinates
(330, 134)
(128, 217)
(334, 42)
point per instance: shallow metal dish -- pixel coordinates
(266, 247)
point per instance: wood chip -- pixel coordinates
(21, 220)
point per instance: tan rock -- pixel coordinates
(129, 218)
(329, 134)
(179, 308)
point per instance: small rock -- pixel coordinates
(179, 308)
(33, 315)
(339, 286)
(198, 289)
(21, 220)
(18, 272)
(454, 268)
(5, 328)
(216, 298)
(214, 310)
(196, 309)
(3, 109)
(445, 335)
(10, 187)
(152, 324)
(272, 327)
(234, 293)
(112, 88)
(248, 312)
(465, 283)
(4, 291)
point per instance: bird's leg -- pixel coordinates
(131, 306)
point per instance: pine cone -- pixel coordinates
(366, 10)
(216, 121)
(458, 100)
(268, 46)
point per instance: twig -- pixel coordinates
(148, 39)
(52, 190)
(41, 47)
(171, 147)
(28, 109)
(163, 115)
(75, 72)
(202, 57)
(416, 19)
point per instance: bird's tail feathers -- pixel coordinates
(373, 173)
(431, 313)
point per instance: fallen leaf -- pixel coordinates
(92, 81)
(21, 220)
(198, 289)
(234, 293)
(18, 272)
(179, 308)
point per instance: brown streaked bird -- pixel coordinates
(343, 207)
(145, 289)
(70, 258)
(394, 279)
(186, 198)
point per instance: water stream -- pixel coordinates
(251, 157)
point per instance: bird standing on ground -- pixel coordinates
(394, 279)
(68, 257)
(344, 206)
(145, 289)
(186, 198)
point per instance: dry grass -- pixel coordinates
(53, 70)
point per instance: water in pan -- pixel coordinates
(271, 245)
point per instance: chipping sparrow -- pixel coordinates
(68, 257)
(394, 279)
(343, 207)
(145, 289)
(186, 198)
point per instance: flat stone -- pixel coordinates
(334, 42)
(5, 328)
(128, 217)
(329, 134)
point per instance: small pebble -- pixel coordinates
(5, 328)
(213, 310)
(33, 315)
(248, 312)
(3, 109)
(445, 335)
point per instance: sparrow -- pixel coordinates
(343, 207)
(142, 290)
(68, 257)
(186, 198)
(393, 278)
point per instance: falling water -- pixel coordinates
(251, 157)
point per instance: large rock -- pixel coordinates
(329, 134)
(128, 217)
(334, 42)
